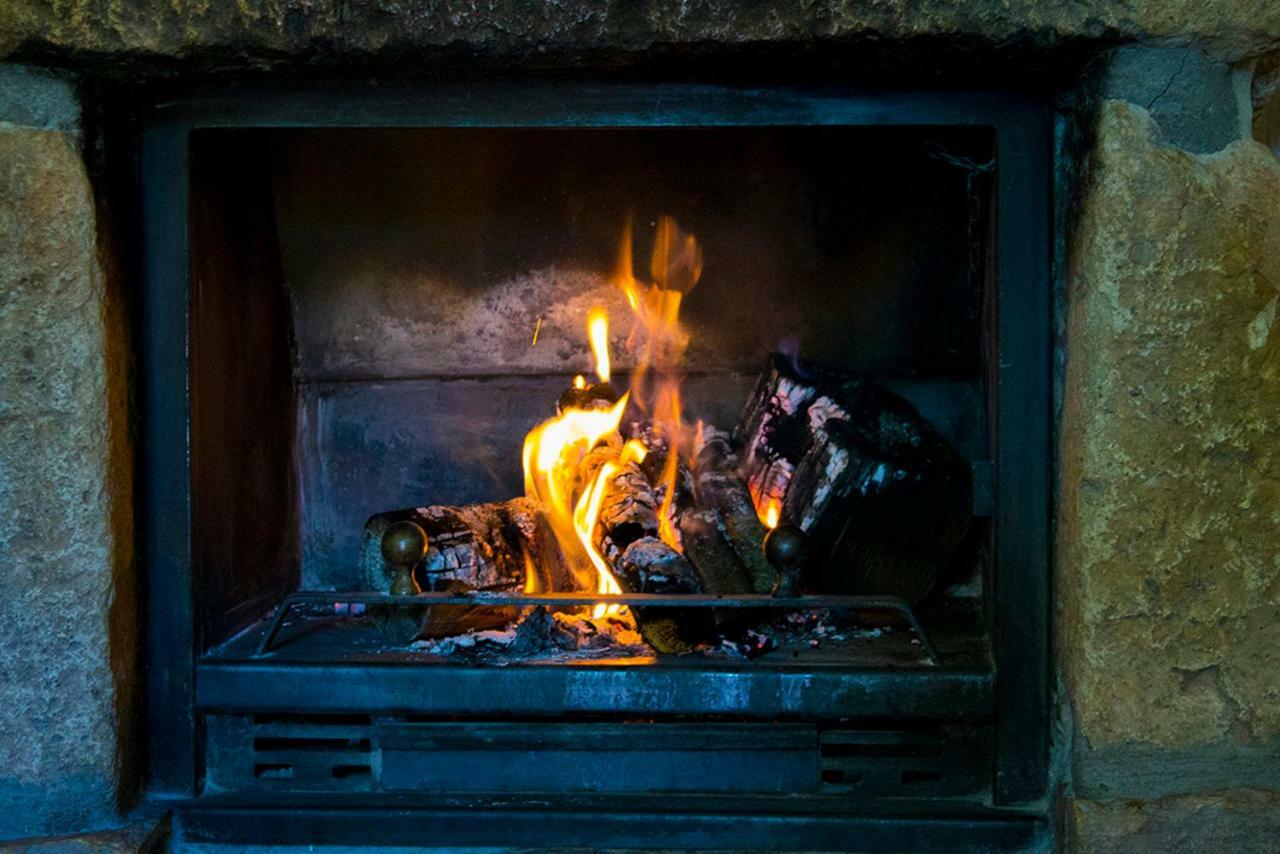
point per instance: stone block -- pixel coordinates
(67, 624)
(1190, 95)
(1169, 563)
(1237, 820)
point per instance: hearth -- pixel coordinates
(703, 314)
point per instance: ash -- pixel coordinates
(543, 635)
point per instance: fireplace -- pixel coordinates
(371, 297)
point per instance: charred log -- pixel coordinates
(649, 565)
(719, 489)
(774, 432)
(628, 512)
(442, 621)
(484, 546)
(883, 497)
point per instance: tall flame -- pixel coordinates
(552, 457)
(598, 332)
(659, 342)
(554, 451)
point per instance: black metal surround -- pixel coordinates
(1020, 427)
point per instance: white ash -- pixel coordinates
(544, 635)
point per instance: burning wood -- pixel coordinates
(659, 508)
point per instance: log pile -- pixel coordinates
(883, 499)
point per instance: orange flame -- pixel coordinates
(552, 457)
(770, 516)
(554, 451)
(598, 332)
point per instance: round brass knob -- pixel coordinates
(403, 545)
(786, 547)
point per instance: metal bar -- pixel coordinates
(647, 600)
(171, 639)
(1023, 432)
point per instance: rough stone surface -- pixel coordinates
(1169, 569)
(1238, 820)
(137, 838)
(1190, 95)
(267, 28)
(65, 541)
(36, 99)
(1265, 97)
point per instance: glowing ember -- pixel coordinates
(579, 382)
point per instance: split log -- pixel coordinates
(719, 488)
(884, 498)
(649, 565)
(628, 512)
(484, 546)
(773, 431)
(717, 565)
(445, 621)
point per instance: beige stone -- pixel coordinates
(67, 625)
(1169, 564)
(269, 28)
(1238, 820)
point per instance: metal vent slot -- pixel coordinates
(892, 763)
(293, 752)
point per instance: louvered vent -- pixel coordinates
(900, 763)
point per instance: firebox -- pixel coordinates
(598, 463)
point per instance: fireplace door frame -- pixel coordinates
(1020, 391)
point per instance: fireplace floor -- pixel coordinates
(341, 663)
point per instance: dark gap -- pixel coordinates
(320, 720)
(346, 772)
(909, 777)
(837, 750)
(335, 745)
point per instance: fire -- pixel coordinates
(598, 332)
(552, 457)
(555, 450)
(770, 516)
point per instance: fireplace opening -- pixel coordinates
(428, 297)
(513, 446)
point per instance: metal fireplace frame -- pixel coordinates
(1020, 420)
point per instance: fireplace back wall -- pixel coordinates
(417, 265)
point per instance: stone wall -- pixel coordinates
(67, 603)
(1169, 559)
(1168, 564)
(268, 30)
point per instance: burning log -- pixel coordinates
(649, 565)
(629, 512)
(483, 546)
(719, 489)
